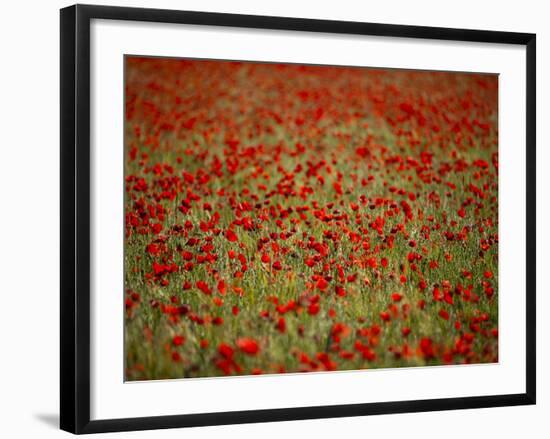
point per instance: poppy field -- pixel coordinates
(284, 218)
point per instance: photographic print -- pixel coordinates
(285, 218)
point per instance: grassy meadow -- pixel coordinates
(287, 218)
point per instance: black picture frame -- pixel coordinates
(75, 217)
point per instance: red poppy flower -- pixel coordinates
(178, 340)
(313, 309)
(225, 350)
(231, 236)
(248, 345)
(396, 297)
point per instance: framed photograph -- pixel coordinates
(268, 219)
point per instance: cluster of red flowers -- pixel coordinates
(289, 218)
